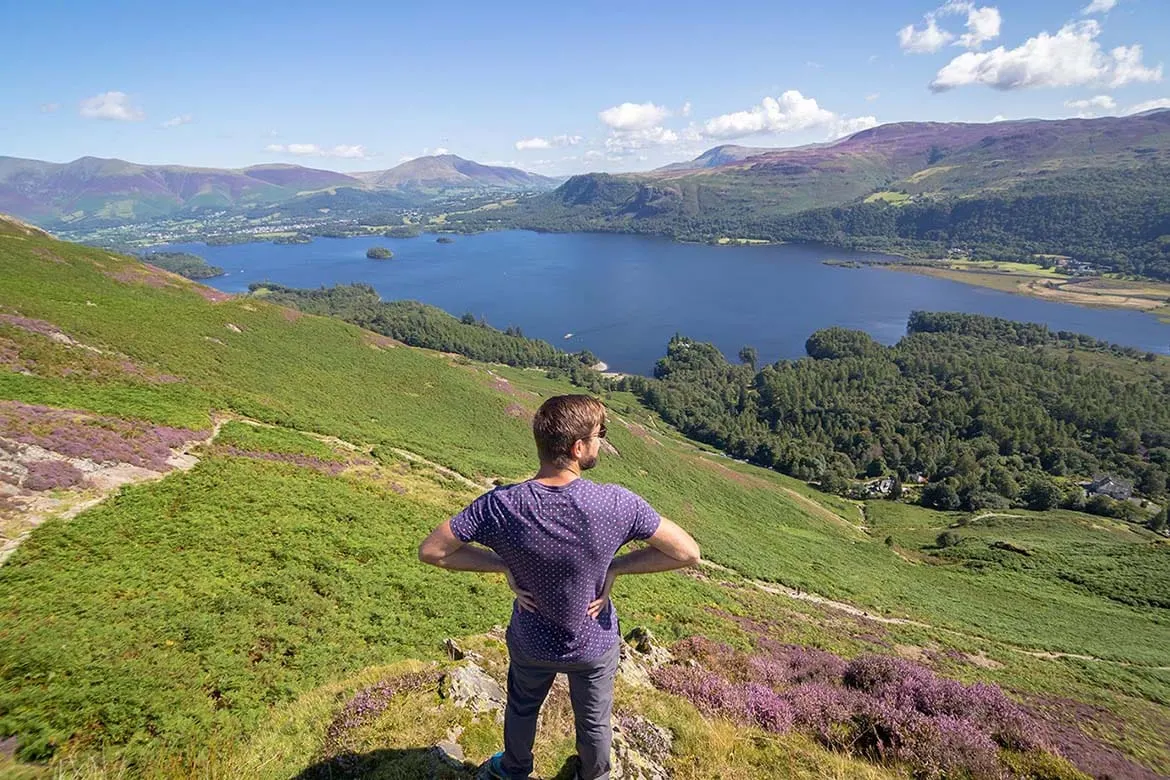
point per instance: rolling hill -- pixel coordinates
(95, 191)
(448, 171)
(211, 506)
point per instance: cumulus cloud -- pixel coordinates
(686, 109)
(1090, 107)
(1099, 7)
(111, 105)
(983, 24)
(1150, 105)
(350, 151)
(524, 144)
(633, 116)
(527, 144)
(842, 126)
(48, 108)
(928, 40)
(178, 120)
(789, 112)
(1072, 57)
(628, 141)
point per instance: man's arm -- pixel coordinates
(670, 548)
(447, 551)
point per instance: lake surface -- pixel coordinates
(623, 297)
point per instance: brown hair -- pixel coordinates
(561, 421)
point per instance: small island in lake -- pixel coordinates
(379, 253)
(184, 264)
(444, 240)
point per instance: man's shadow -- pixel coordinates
(406, 764)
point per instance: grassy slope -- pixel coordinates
(175, 620)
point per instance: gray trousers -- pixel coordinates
(591, 692)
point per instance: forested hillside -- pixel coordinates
(994, 413)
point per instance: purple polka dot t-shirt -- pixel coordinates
(558, 543)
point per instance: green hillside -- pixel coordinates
(259, 611)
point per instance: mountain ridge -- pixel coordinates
(112, 189)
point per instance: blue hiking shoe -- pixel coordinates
(493, 768)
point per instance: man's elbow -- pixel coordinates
(692, 556)
(429, 555)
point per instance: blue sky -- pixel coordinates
(549, 87)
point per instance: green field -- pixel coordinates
(212, 622)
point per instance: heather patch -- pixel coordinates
(363, 708)
(304, 461)
(141, 273)
(99, 439)
(211, 294)
(32, 325)
(887, 709)
(51, 474)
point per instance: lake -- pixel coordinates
(623, 297)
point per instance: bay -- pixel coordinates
(623, 296)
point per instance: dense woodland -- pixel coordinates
(420, 325)
(1126, 231)
(184, 264)
(991, 412)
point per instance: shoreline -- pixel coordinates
(1097, 292)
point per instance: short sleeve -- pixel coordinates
(645, 520)
(476, 522)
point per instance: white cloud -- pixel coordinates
(1090, 107)
(686, 109)
(111, 105)
(48, 108)
(982, 25)
(1071, 57)
(178, 120)
(1099, 7)
(1150, 105)
(527, 144)
(632, 140)
(524, 144)
(999, 118)
(633, 116)
(872, 97)
(349, 151)
(928, 40)
(843, 127)
(791, 111)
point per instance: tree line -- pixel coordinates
(992, 413)
(421, 325)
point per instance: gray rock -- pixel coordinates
(640, 749)
(471, 687)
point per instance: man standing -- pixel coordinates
(555, 537)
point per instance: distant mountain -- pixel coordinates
(93, 191)
(720, 155)
(919, 158)
(451, 171)
(1093, 187)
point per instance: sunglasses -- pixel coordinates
(599, 435)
